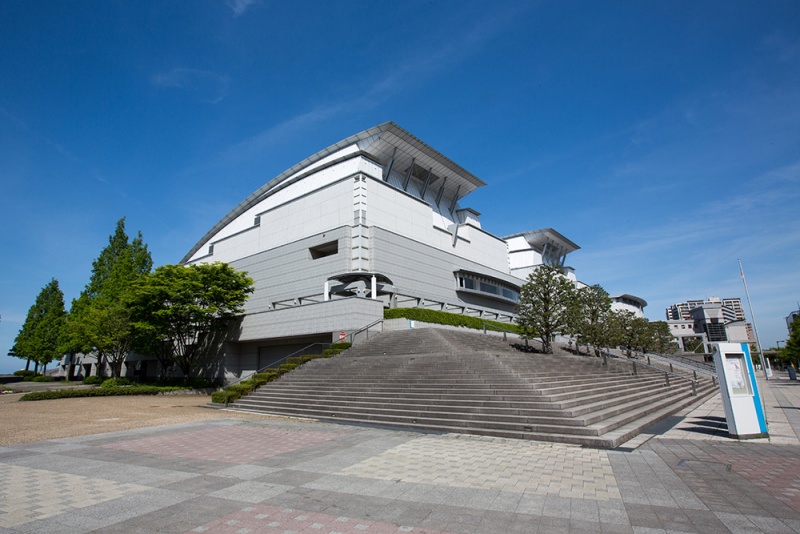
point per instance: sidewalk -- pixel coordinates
(254, 475)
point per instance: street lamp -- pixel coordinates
(778, 343)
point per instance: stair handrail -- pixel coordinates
(667, 374)
(364, 328)
(271, 365)
(705, 367)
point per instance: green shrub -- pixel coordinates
(341, 345)
(243, 388)
(286, 367)
(93, 380)
(297, 360)
(221, 396)
(452, 319)
(115, 382)
(269, 376)
(23, 372)
(41, 378)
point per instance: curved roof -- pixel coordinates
(633, 298)
(381, 143)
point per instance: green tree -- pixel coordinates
(619, 329)
(185, 312)
(100, 318)
(545, 305)
(38, 340)
(790, 352)
(663, 341)
(589, 314)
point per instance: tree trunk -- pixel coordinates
(28, 364)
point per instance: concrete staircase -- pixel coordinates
(456, 381)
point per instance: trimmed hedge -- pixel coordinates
(115, 382)
(95, 392)
(452, 319)
(23, 372)
(94, 380)
(41, 378)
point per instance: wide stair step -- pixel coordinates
(456, 381)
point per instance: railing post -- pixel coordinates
(695, 374)
(671, 370)
(634, 369)
(605, 359)
(504, 336)
(694, 388)
(648, 359)
(666, 377)
(484, 328)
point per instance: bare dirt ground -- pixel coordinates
(25, 422)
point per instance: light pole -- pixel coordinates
(778, 343)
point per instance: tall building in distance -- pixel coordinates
(732, 309)
(696, 323)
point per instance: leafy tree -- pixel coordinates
(791, 351)
(100, 318)
(589, 314)
(545, 305)
(619, 329)
(662, 340)
(186, 312)
(39, 336)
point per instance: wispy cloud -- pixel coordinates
(205, 86)
(399, 79)
(240, 6)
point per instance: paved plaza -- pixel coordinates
(239, 475)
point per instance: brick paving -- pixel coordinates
(234, 475)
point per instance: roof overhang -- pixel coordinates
(383, 143)
(537, 239)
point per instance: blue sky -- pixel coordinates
(661, 137)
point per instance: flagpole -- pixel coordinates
(764, 365)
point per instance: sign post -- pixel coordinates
(741, 398)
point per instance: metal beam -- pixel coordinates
(387, 169)
(441, 191)
(408, 175)
(455, 199)
(425, 185)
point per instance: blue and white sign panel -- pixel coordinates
(740, 395)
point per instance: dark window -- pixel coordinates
(321, 251)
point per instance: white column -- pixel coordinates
(374, 287)
(327, 291)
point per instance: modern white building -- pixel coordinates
(629, 303)
(376, 220)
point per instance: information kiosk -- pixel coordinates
(740, 396)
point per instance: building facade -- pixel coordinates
(374, 221)
(697, 323)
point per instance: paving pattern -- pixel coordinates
(251, 443)
(245, 475)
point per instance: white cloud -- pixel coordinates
(240, 6)
(205, 86)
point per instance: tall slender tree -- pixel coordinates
(100, 319)
(38, 340)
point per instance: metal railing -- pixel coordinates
(365, 329)
(636, 364)
(275, 365)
